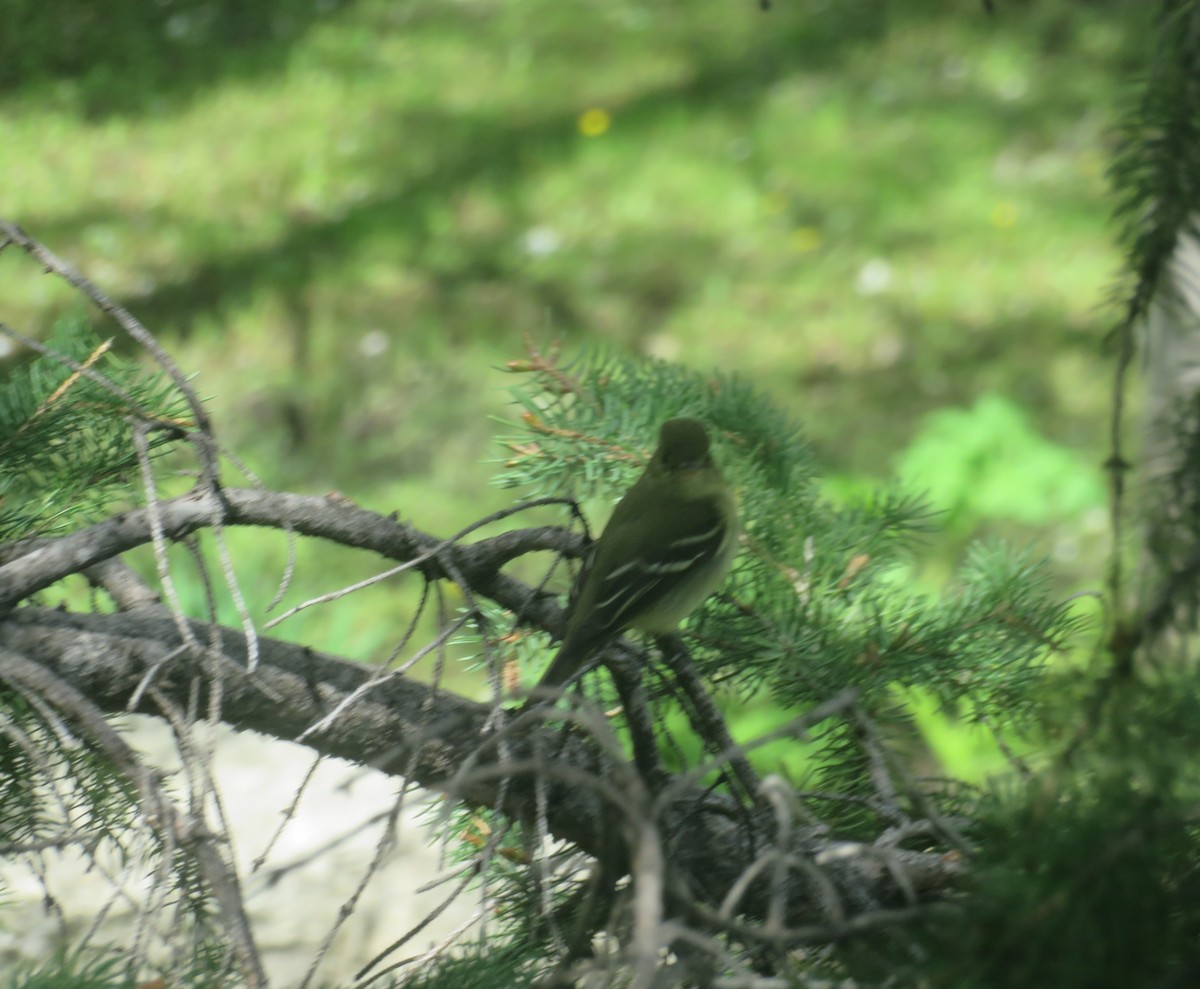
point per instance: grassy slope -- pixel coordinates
(345, 216)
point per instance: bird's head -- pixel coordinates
(683, 458)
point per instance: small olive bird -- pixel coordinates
(668, 545)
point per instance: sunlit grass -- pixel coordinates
(873, 210)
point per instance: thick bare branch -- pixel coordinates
(403, 727)
(48, 561)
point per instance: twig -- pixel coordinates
(203, 436)
(706, 719)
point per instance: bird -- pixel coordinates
(668, 545)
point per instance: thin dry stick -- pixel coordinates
(648, 874)
(1118, 466)
(232, 585)
(944, 825)
(433, 552)
(479, 865)
(410, 630)
(385, 845)
(214, 641)
(386, 841)
(542, 833)
(425, 921)
(705, 717)
(377, 681)
(197, 763)
(159, 541)
(437, 949)
(885, 788)
(289, 532)
(793, 729)
(860, 923)
(120, 894)
(777, 795)
(275, 874)
(204, 436)
(288, 815)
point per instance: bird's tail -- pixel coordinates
(570, 662)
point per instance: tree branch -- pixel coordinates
(405, 728)
(442, 742)
(45, 562)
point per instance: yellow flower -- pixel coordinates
(1004, 215)
(594, 121)
(776, 202)
(806, 239)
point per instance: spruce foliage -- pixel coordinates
(66, 447)
(1082, 863)
(67, 459)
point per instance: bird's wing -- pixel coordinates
(620, 592)
(620, 583)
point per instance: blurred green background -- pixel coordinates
(346, 216)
